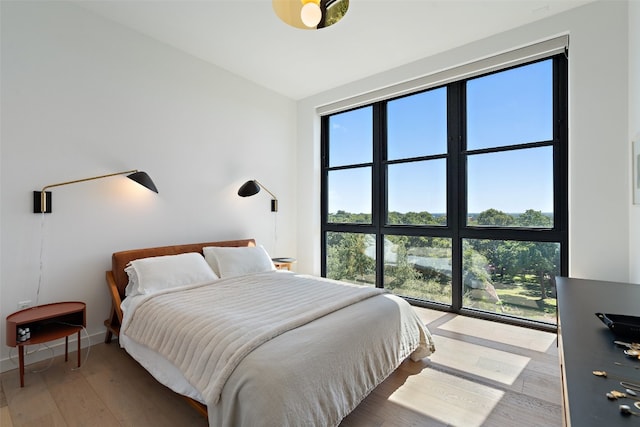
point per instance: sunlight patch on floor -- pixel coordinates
(5, 417)
(499, 332)
(478, 360)
(427, 316)
(455, 401)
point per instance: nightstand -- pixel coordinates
(46, 323)
(283, 263)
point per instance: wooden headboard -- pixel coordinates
(119, 260)
(117, 279)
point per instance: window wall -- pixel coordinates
(454, 197)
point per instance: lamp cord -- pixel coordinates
(28, 353)
(41, 266)
(88, 347)
(275, 233)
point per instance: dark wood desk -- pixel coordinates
(586, 344)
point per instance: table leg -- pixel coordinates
(21, 362)
(66, 348)
(78, 349)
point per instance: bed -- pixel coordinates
(250, 345)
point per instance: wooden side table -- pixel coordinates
(46, 323)
(283, 263)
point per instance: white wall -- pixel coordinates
(82, 96)
(598, 141)
(634, 133)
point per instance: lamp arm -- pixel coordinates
(43, 193)
(265, 189)
(86, 179)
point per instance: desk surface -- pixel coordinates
(587, 345)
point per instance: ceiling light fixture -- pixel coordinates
(310, 13)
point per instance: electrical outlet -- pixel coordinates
(24, 304)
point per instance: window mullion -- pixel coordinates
(324, 198)
(456, 192)
(379, 186)
(561, 157)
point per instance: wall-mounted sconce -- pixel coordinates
(252, 187)
(42, 198)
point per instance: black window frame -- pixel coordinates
(456, 228)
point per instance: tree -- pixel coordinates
(413, 218)
(495, 217)
(532, 218)
(347, 258)
(475, 273)
(342, 217)
(403, 272)
(539, 258)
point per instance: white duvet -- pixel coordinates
(277, 348)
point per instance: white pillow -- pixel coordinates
(232, 261)
(154, 274)
(132, 286)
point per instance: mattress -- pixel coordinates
(314, 374)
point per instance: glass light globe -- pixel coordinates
(311, 14)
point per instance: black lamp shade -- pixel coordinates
(249, 188)
(143, 179)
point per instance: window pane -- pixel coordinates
(471, 162)
(511, 107)
(511, 188)
(417, 192)
(350, 196)
(418, 267)
(351, 137)
(351, 257)
(511, 277)
(417, 125)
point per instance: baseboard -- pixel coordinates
(39, 352)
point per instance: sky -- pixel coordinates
(510, 107)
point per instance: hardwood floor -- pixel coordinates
(482, 374)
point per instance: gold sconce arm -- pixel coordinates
(42, 198)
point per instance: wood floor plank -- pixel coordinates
(379, 410)
(501, 332)
(75, 397)
(540, 385)
(455, 400)
(521, 410)
(477, 360)
(3, 398)
(5, 417)
(33, 404)
(476, 378)
(430, 316)
(161, 407)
